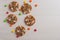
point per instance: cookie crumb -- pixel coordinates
(10, 25)
(36, 5)
(19, 14)
(28, 28)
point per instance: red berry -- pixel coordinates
(17, 36)
(7, 12)
(35, 30)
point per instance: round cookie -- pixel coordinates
(26, 8)
(29, 20)
(13, 6)
(11, 19)
(20, 31)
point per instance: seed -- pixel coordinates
(5, 5)
(19, 14)
(5, 20)
(36, 5)
(13, 31)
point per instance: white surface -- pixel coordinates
(47, 21)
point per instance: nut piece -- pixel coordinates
(26, 8)
(29, 20)
(13, 6)
(11, 19)
(20, 31)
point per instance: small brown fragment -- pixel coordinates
(28, 28)
(36, 5)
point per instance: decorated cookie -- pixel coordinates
(29, 20)
(11, 19)
(20, 31)
(13, 6)
(26, 8)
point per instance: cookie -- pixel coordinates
(19, 31)
(29, 20)
(26, 8)
(11, 19)
(13, 6)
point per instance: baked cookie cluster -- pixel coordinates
(29, 20)
(11, 19)
(26, 8)
(13, 6)
(20, 31)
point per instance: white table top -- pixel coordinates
(47, 16)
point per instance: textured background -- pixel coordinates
(47, 16)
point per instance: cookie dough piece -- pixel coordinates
(29, 20)
(26, 8)
(13, 6)
(20, 31)
(11, 19)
